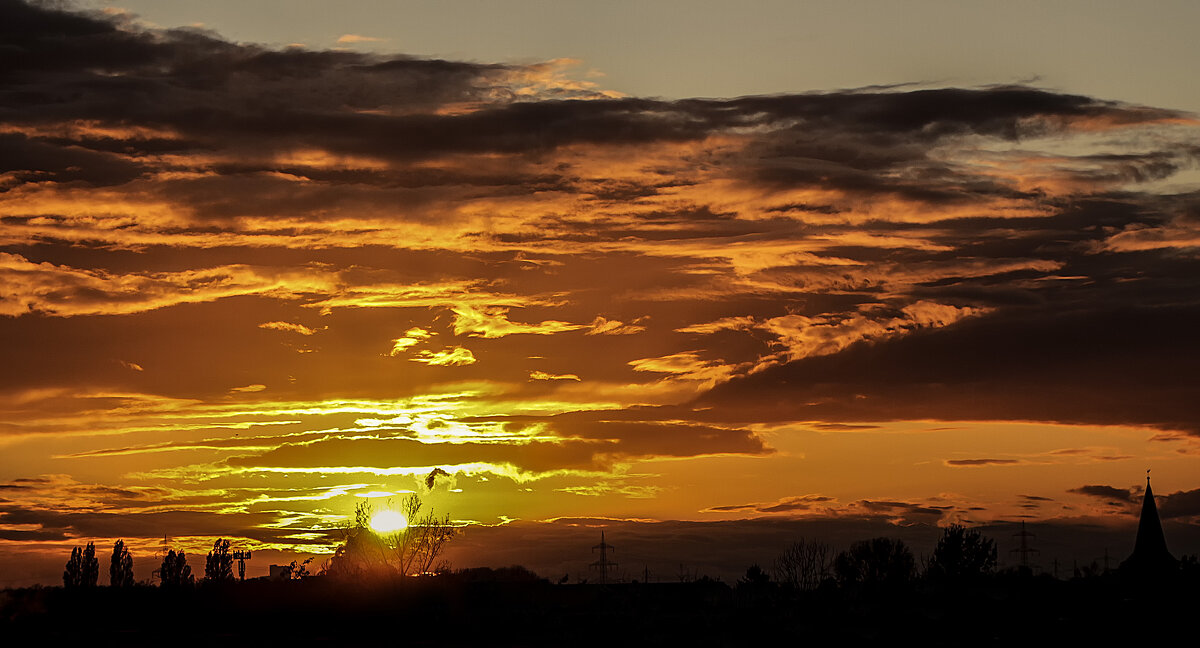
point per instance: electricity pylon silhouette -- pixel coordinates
(1024, 549)
(604, 564)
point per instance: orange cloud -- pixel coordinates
(802, 337)
(350, 39)
(65, 291)
(723, 324)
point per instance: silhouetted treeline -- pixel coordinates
(513, 606)
(868, 593)
(883, 565)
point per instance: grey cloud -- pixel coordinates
(906, 512)
(116, 525)
(1101, 491)
(794, 504)
(1181, 504)
(844, 427)
(733, 507)
(39, 161)
(216, 94)
(1101, 366)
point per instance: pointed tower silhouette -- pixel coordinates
(1150, 557)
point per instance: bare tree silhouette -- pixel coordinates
(805, 564)
(120, 567)
(419, 545)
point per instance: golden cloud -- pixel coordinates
(448, 357)
(492, 322)
(542, 375)
(287, 326)
(411, 338)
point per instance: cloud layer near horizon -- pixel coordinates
(232, 262)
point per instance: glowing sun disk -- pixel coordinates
(388, 521)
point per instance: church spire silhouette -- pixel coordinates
(1150, 556)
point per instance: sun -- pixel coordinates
(388, 521)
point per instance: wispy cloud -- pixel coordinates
(542, 375)
(969, 463)
(351, 39)
(287, 326)
(449, 357)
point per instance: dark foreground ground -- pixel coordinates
(499, 611)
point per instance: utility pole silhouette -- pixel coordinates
(241, 557)
(1024, 550)
(604, 564)
(163, 547)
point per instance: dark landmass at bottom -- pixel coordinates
(514, 608)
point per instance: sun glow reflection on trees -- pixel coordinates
(392, 543)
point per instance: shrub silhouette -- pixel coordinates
(296, 570)
(875, 564)
(755, 578)
(961, 555)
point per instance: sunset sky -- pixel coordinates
(900, 265)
